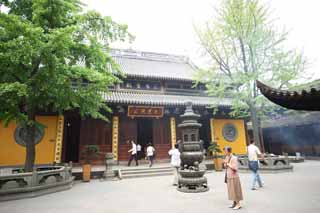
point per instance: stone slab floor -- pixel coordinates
(295, 192)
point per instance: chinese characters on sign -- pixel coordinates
(145, 111)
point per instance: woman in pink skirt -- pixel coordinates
(232, 179)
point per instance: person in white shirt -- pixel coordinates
(139, 151)
(253, 153)
(133, 152)
(175, 162)
(150, 154)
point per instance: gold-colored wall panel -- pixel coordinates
(239, 145)
(12, 153)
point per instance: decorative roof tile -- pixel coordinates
(299, 100)
(125, 97)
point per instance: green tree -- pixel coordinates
(54, 55)
(243, 45)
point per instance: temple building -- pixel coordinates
(146, 108)
(296, 132)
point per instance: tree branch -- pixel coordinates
(17, 78)
(244, 58)
(35, 66)
(218, 57)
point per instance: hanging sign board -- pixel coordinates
(145, 111)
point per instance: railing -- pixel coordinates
(276, 163)
(42, 180)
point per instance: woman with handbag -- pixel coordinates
(232, 179)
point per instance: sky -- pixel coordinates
(166, 26)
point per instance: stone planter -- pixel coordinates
(109, 174)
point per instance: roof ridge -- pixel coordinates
(154, 65)
(161, 94)
(144, 55)
(163, 99)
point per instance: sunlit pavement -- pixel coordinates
(296, 191)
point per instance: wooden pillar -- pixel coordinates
(58, 145)
(247, 133)
(212, 130)
(173, 131)
(115, 136)
(261, 139)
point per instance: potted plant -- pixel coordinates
(90, 151)
(217, 159)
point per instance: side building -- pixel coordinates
(293, 133)
(146, 108)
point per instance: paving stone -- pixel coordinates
(292, 192)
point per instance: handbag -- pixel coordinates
(225, 175)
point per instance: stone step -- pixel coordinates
(143, 169)
(144, 172)
(140, 175)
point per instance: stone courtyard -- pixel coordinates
(294, 192)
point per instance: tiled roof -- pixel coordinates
(299, 100)
(154, 65)
(126, 97)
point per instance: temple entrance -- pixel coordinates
(71, 138)
(204, 132)
(144, 134)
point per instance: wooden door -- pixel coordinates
(127, 132)
(161, 137)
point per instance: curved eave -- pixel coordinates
(298, 100)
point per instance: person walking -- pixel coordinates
(175, 162)
(133, 152)
(150, 154)
(139, 149)
(232, 179)
(253, 153)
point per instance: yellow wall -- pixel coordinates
(239, 145)
(12, 153)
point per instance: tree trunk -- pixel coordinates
(30, 142)
(255, 126)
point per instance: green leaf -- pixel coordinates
(245, 45)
